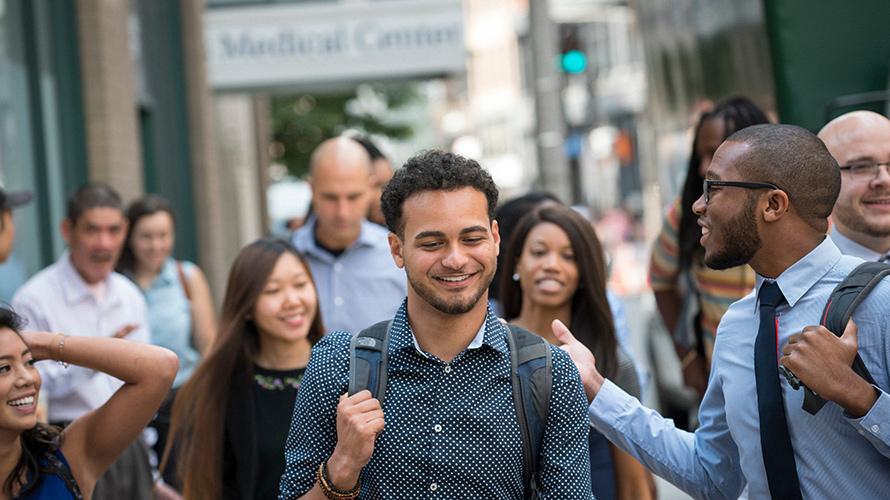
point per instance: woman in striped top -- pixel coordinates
(691, 297)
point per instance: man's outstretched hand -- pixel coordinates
(581, 356)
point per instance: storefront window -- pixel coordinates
(16, 163)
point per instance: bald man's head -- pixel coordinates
(858, 140)
(339, 153)
(340, 176)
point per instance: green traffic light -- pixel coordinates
(574, 61)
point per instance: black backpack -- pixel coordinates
(844, 299)
(532, 373)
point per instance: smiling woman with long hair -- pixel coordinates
(230, 420)
(41, 461)
(555, 268)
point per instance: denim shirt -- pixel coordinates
(170, 317)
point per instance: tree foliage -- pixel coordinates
(302, 122)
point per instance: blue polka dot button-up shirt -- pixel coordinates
(451, 428)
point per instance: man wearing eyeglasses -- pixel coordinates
(767, 198)
(860, 142)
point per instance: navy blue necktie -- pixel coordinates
(778, 455)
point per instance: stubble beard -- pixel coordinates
(857, 223)
(454, 307)
(745, 240)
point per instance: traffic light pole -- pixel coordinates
(550, 125)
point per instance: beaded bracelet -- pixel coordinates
(329, 491)
(60, 348)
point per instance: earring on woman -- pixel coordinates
(516, 277)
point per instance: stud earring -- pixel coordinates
(516, 277)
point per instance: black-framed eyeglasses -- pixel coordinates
(712, 183)
(866, 169)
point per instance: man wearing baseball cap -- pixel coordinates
(8, 201)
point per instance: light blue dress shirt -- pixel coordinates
(170, 317)
(836, 456)
(850, 247)
(360, 287)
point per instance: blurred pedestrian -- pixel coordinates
(358, 284)
(554, 268)
(42, 461)
(381, 173)
(80, 294)
(8, 201)
(691, 297)
(230, 419)
(860, 142)
(767, 198)
(508, 215)
(180, 307)
(451, 423)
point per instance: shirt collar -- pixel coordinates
(76, 289)
(795, 281)
(305, 237)
(491, 333)
(850, 247)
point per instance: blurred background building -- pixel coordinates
(211, 102)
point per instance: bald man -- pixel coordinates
(860, 142)
(358, 282)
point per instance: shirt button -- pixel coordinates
(447, 368)
(875, 429)
(338, 301)
(434, 487)
(338, 267)
(437, 428)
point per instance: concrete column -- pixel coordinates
(242, 186)
(206, 171)
(109, 92)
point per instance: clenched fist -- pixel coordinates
(359, 422)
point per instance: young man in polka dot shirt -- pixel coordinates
(448, 428)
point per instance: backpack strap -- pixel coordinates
(368, 360)
(842, 302)
(532, 380)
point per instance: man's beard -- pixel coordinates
(445, 306)
(745, 240)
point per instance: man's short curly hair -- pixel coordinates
(434, 171)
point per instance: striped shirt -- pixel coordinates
(716, 289)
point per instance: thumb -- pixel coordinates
(561, 332)
(851, 333)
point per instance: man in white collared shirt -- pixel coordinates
(860, 142)
(80, 294)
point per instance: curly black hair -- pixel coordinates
(434, 170)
